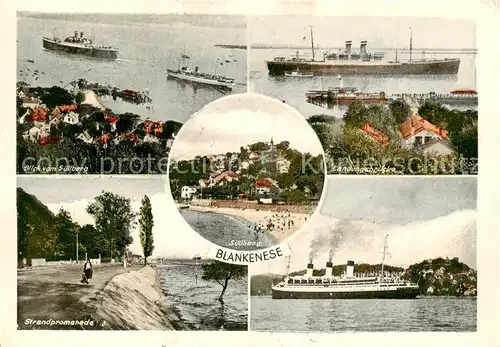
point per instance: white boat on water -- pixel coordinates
(298, 74)
(195, 76)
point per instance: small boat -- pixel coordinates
(298, 74)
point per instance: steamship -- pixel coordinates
(79, 44)
(362, 62)
(346, 286)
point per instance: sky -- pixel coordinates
(424, 218)
(240, 120)
(172, 235)
(380, 32)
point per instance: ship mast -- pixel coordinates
(312, 42)
(411, 42)
(384, 254)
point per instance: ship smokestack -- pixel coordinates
(329, 269)
(348, 45)
(362, 48)
(349, 269)
(310, 268)
(76, 34)
(81, 35)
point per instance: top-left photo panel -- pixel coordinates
(107, 93)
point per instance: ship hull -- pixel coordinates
(198, 80)
(78, 49)
(399, 293)
(435, 67)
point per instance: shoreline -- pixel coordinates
(91, 98)
(54, 294)
(281, 225)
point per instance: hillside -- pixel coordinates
(435, 277)
(36, 234)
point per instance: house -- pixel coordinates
(436, 148)
(150, 139)
(219, 179)
(30, 102)
(70, 118)
(266, 186)
(38, 114)
(85, 137)
(112, 121)
(283, 165)
(254, 156)
(374, 134)
(187, 192)
(417, 131)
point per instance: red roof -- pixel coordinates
(375, 134)
(463, 91)
(46, 140)
(38, 115)
(416, 124)
(263, 183)
(110, 119)
(67, 108)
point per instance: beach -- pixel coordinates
(281, 224)
(91, 99)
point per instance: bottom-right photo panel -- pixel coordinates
(384, 253)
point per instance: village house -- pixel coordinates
(374, 134)
(188, 192)
(266, 186)
(418, 133)
(219, 179)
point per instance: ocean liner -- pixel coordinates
(346, 286)
(362, 62)
(197, 77)
(79, 44)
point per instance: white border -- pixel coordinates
(485, 12)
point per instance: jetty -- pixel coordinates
(137, 97)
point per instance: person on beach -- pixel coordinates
(87, 272)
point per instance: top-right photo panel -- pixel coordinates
(385, 95)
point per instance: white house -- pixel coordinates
(416, 131)
(70, 118)
(437, 147)
(188, 192)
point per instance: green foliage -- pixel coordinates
(146, 224)
(66, 230)
(36, 236)
(259, 147)
(114, 219)
(55, 96)
(400, 110)
(262, 284)
(79, 98)
(222, 272)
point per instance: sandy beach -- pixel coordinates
(91, 99)
(281, 225)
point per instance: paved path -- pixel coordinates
(56, 292)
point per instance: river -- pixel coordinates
(292, 90)
(425, 314)
(148, 45)
(196, 300)
(228, 231)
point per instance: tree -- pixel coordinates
(66, 231)
(55, 96)
(113, 218)
(79, 98)
(221, 273)
(146, 224)
(400, 111)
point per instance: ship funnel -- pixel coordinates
(310, 268)
(329, 269)
(348, 45)
(76, 34)
(349, 269)
(362, 48)
(81, 34)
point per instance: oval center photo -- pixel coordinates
(246, 171)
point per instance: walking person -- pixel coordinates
(87, 272)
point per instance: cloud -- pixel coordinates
(452, 235)
(226, 126)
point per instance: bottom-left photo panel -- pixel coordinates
(114, 253)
